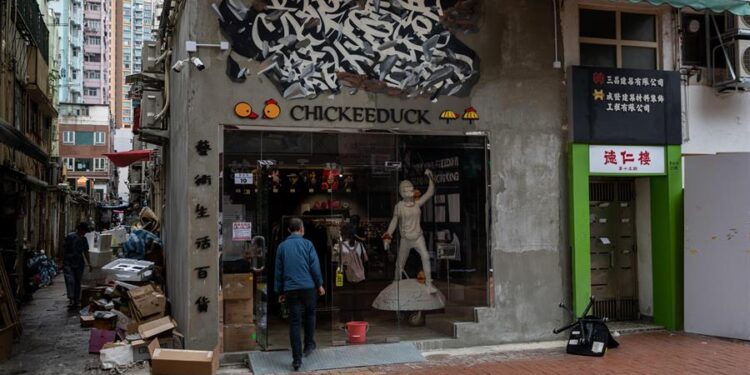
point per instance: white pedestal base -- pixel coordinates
(408, 295)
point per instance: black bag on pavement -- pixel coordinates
(589, 335)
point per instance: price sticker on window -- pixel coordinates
(243, 178)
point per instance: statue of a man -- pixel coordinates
(407, 215)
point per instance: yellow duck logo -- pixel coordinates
(245, 110)
(272, 110)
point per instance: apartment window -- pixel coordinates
(618, 39)
(126, 119)
(92, 24)
(84, 138)
(90, 91)
(99, 138)
(83, 164)
(92, 74)
(93, 40)
(69, 137)
(100, 164)
(92, 57)
(92, 6)
(69, 163)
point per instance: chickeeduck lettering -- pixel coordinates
(360, 114)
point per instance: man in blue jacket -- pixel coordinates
(298, 282)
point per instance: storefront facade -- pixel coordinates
(493, 140)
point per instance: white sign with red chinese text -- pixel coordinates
(626, 159)
(242, 231)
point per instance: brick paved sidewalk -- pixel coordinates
(646, 353)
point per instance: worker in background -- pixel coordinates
(75, 258)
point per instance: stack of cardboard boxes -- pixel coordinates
(239, 330)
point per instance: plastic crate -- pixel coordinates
(129, 269)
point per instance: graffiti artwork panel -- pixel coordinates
(402, 48)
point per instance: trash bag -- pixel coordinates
(121, 355)
(138, 240)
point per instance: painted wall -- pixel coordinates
(717, 301)
(520, 99)
(716, 122)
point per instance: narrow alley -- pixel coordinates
(53, 341)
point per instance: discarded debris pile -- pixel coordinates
(129, 324)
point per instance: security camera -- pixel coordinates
(198, 63)
(177, 67)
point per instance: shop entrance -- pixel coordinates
(349, 183)
(614, 279)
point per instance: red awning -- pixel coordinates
(123, 159)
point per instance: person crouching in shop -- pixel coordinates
(299, 282)
(75, 258)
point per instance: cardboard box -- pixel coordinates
(238, 311)
(182, 362)
(156, 327)
(147, 301)
(105, 324)
(87, 321)
(140, 346)
(237, 286)
(239, 337)
(134, 323)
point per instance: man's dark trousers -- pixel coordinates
(301, 306)
(73, 275)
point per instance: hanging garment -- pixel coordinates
(353, 259)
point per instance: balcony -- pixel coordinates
(93, 14)
(92, 48)
(31, 25)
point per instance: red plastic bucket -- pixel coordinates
(357, 332)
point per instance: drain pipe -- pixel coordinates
(557, 64)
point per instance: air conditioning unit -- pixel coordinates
(151, 52)
(734, 23)
(151, 104)
(738, 51)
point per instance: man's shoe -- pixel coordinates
(309, 350)
(296, 365)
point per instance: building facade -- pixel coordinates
(86, 133)
(69, 18)
(96, 51)
(27, 174)
(135, 21)
(532, 206)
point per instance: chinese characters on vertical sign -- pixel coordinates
(201, 212)
(626, 159)
(626, 93)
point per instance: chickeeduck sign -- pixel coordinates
(641, 160)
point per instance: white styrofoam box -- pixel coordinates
(100, 258)
(129, 269)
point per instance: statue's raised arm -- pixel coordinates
(430, 189)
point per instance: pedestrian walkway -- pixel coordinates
(645, 353)
(53, 341)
